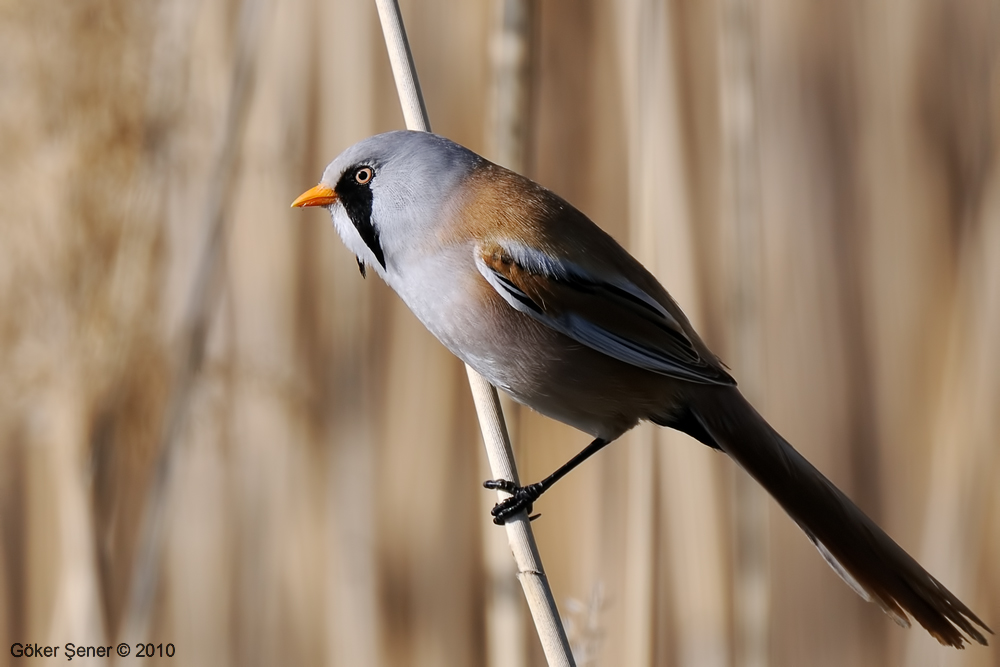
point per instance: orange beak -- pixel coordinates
(318, 196)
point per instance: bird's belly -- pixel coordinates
(566, 380)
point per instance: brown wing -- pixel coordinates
(612, 316)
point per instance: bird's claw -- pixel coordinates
(521, 499)
(501, 485)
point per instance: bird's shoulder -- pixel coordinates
(500, 207)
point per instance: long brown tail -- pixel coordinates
(857, 549)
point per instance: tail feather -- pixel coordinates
(867, 559)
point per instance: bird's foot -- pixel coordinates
(521, 498)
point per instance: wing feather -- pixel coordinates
(614, 317)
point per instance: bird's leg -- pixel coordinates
(522, 497)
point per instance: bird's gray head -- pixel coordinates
(385, 193)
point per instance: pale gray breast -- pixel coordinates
(451, 298)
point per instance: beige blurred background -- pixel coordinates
(816, 183)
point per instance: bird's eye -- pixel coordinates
(363, 175)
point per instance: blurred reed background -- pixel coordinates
(816, 183)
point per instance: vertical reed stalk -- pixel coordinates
(742, 232)
(190, 350)
(508, 142)
(497, 442)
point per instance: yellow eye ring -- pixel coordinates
(364, 175)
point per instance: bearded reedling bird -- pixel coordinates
(549, 308)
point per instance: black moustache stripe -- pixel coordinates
(369, 235)
(357, 201)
